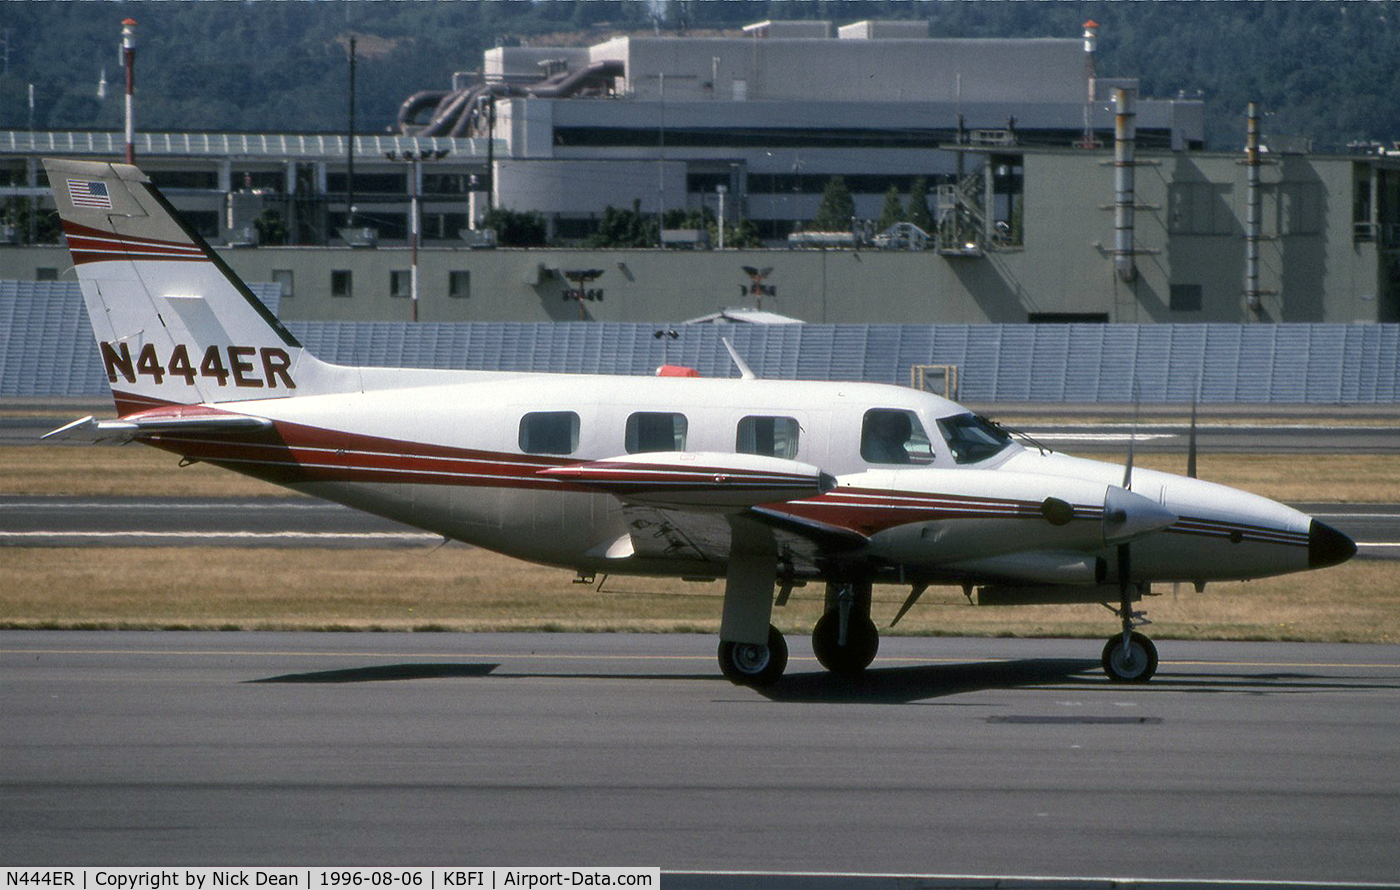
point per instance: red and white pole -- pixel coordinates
(129, 60)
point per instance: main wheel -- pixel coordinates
(751, 664)
(862, 643)
(1136, 665)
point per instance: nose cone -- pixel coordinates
(1327, 546)
(1127, 515)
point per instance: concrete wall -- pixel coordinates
(1189, 231)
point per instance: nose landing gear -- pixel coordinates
(1130, 658)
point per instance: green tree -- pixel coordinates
(892, 212)
(20, 213)
(623, 228)
(918, 205)
(515, 228)
(837, 208)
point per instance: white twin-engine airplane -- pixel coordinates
(767, 484)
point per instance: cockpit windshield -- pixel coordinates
(972, 438)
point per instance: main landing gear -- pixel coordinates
(845, 640)
(754, 664)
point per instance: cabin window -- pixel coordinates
(971, 438)
(893, 436)
(549, 432)
(655, 431)
(771, 436)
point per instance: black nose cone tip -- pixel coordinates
(1327, 546)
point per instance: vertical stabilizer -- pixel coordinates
(174, 324)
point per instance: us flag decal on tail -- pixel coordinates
(89, 193)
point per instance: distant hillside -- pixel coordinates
(1324, 70)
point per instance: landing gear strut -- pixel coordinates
(752, 664)
(845, 640)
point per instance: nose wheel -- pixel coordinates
(1129, 658)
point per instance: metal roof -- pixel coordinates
(46, 348)
(321, 146)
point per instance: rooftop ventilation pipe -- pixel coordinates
(1251, 219)
(1124, 135)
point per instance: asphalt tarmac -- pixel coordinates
(953, 757)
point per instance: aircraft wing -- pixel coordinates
(698, 480)
(91, 431)
(682, 505)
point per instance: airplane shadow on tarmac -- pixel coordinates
(904, 685)
(877, 686)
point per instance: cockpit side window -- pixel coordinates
(971, 438)
(655, 431)
(772, 436)
(893, 436)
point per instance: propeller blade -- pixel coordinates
(1132, 440)
(1191, 441)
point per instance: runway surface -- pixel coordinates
(1262, 762)
(58, 521)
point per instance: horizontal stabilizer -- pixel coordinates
(698, 479)
(118, 432)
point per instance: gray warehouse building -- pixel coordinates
(1017, 137)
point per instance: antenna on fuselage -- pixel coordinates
(745, 372)
(1191, 437)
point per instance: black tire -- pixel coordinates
(749, 664)
(862, 643)
(1136, 666)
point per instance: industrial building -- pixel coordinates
(1043, 212)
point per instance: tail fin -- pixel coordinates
(174, 324)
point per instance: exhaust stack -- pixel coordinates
(1124, 137)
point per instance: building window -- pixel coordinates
(1201, 208)
(205, 222)
(1067, 318)
(459, 284)
(549, 432)
(772, 436)
(285, 279)
(401, 283)
(1185, 298)
(655, 431)
(342, 283)
(46, 273)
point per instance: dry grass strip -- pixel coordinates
(465, 589)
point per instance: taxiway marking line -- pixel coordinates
(309, 536)
(253, 653)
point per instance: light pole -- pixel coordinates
(129, 61)
(720, 190)
(413, 159)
